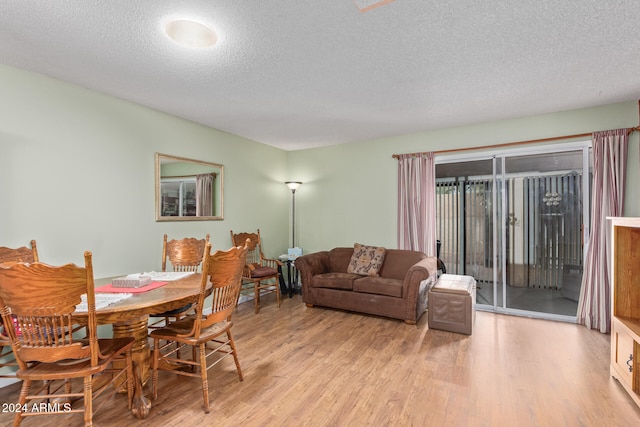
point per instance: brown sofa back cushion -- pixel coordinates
(397, 262)
(339, 259)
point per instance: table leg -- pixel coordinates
(290, 279)
(296, 288)
(140, 406)
(141, 352)
(283, 286)
(141, 356)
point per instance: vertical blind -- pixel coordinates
(543, 224)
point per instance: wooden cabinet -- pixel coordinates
(625, 303)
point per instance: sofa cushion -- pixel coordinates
(378, 286)
(398, 261)
(366, 260)
(339, 259)
(334, 280)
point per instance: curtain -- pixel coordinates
(417, 202)
(204, 194)
(609, 168)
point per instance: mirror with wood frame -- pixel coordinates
(188, 190)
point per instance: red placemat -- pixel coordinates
(111, 289)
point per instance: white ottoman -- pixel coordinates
(452, 304)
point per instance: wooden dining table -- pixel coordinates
(130, 316)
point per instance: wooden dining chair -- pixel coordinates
(39, 300)
(21, 254)
(184, 255)
(202, 331)
(10, 256)
(260, 275)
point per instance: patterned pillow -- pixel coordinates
(366, 260)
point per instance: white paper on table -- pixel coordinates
(167, 276)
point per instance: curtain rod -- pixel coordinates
(509, 144)
(213, 174)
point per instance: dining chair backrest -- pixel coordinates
(183, 254)
(223, 270)
(39, 299)
(21, 254)
(10, 256)
(252, 241)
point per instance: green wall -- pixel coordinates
(350, 191)
(77, 173)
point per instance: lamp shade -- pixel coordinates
(293, 185)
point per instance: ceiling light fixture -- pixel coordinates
(190, 33)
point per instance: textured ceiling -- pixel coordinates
(297, 74)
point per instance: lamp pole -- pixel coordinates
(293, 218)
(293, 185)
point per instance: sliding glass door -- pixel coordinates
(516, 222)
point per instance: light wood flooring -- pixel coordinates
(322, 367)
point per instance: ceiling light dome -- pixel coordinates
(190, 33)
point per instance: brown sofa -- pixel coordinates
(399, 291)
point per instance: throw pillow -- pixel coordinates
(366, 260)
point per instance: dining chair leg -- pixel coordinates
(277, 293)
(130, 377)
(88, 401)
(194, 357)
(154, 376)
(205, 381)
(67, 389)
(256, 298)
(235, 355)
(24, 392)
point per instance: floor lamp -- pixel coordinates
(293, 252)
(293, 186)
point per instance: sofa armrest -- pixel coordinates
(426, 268)
(311, 264)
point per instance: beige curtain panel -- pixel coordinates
(417, 202)
(204, 194)
(609, 168)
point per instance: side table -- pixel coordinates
(291, 286)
